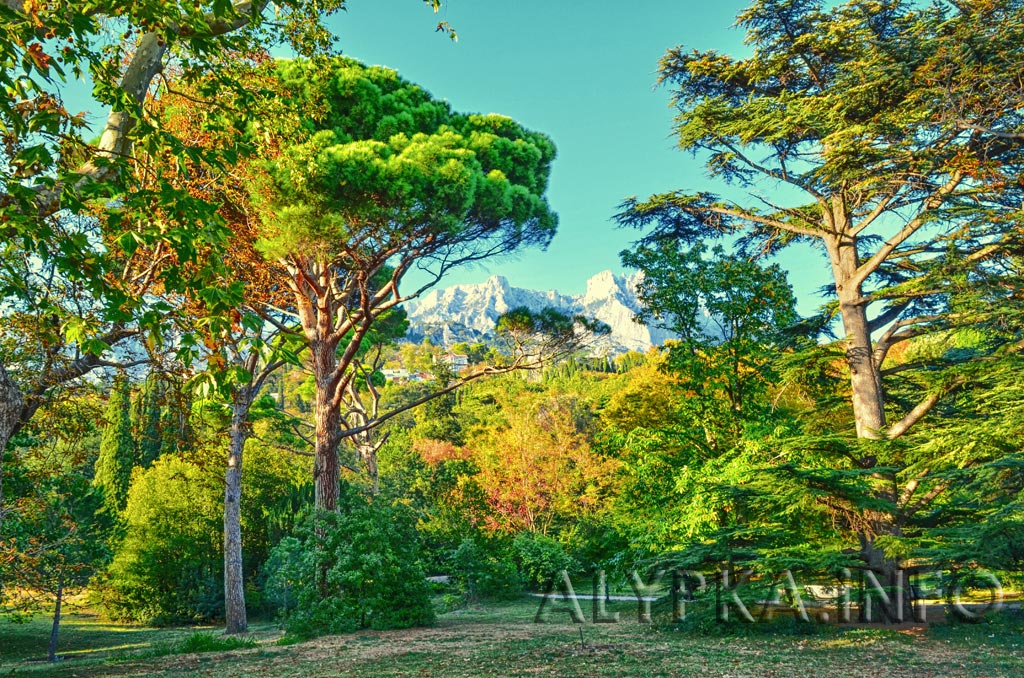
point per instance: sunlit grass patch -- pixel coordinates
(204, 641)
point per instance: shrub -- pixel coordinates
(168, 566)
(203, 641)
(483, 573)
(540, 558)
(352, 569)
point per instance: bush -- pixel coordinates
(540, 558)
(356, 568)
(168, 567)
(482, 573)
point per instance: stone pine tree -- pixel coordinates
(365, 171)
(887, 136)
(117, 450)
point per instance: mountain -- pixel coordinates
(468, 312)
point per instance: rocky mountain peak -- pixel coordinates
(469, 312)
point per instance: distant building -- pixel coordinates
(456, 361)
(398, 374)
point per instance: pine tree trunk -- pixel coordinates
(11, 404)
(326, 464)
(55, 629)
(234, 583)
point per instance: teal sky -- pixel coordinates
(584, 74)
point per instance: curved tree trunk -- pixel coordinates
(234, 583)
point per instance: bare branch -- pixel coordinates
(915, 415)
(913, 226)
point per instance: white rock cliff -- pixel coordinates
(469, 312)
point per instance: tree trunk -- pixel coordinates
(865, 380)
(890, 577)
(326, 464)
(234, 583)
(367, 450)
(55, 629)
(868, 400)
(11, 404)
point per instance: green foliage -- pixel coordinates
(547, 332)
(435, 419)
(730, 313)
(168, 566)
(352, 569)
(691, 428)
(436, 481)
(117, 455)
(146, 422)
(275, 483)
(204, 641)
(55, 540)
(907, 183)
(385, 156)
(540, 558)
(484, 571)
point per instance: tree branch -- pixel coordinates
(915, 415)
(912, 227)
(758, 219)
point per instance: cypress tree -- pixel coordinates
(146, 423)
(117, 451)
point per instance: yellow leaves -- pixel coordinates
(32, 9)
(434, 452)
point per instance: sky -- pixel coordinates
(585, 74)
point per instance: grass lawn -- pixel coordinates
(501, 639)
